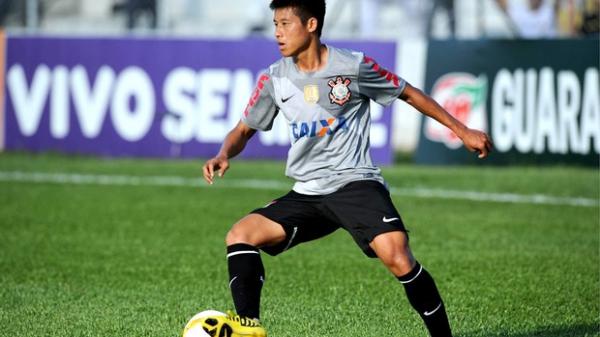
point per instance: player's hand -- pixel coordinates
(217, 164)
(477, 141)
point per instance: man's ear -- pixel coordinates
(312, 24)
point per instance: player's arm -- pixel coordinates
(474, 140)
(234, 143)
(259, 115)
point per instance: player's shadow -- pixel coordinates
(582, 330)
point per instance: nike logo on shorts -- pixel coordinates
(390, 219)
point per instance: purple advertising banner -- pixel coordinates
(148, 97)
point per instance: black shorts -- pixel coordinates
(363, 208)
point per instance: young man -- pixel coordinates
(324, 93)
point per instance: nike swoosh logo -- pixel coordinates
(283, 100)
(390, 219)
(429, 313)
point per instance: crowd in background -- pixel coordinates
(524, 18)
(528, 19)
(544, 19)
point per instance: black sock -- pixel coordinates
(246, 277)
(425, 299)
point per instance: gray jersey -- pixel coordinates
(328, 117)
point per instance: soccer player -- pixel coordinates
(324, 93)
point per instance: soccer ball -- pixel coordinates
(204, 324)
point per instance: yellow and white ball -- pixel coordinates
(195, 326)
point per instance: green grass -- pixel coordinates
(109, 260)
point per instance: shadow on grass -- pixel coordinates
(582, 330)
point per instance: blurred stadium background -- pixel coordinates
(347, 19)
(414, 27)
(98, 239)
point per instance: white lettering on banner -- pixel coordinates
(133, 86)
(91, 101)
(526, 134)
(59, 103)
(525, 118)
(196, 103)
(569, 101)
(178, 125)
(202, 105)
(212, 125)
(546, 112)
(28, 103)
(590, 112)
(502, 112)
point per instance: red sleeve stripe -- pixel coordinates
(256, 93)
(389, 76)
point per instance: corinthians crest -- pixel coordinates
(340, 93)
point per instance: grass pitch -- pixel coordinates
(118, 256)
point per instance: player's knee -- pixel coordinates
(237, 235)
(398, 261)
(395, 259)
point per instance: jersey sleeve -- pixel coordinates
(261, 109)
(377, 83)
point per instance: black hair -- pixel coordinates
(305, 9)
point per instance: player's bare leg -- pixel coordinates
(393, 250)
(255, 230)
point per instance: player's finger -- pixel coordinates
(222, 169)
(209, 172)
(206, 175)
(483, 152)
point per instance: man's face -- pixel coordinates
(292, 36)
